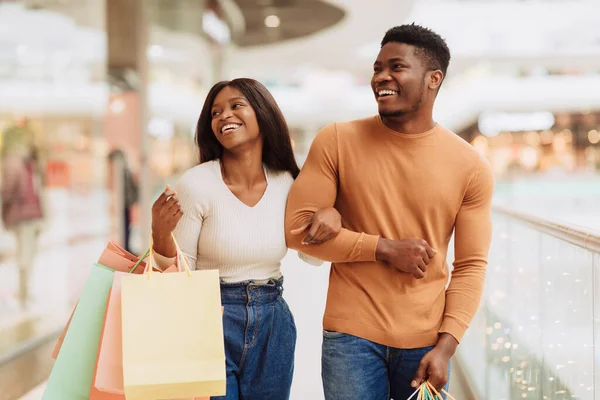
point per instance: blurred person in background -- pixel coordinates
(22, 198)
(402, 184)
(228, 214)
(124, 191)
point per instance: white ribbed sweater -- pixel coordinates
(218, 231)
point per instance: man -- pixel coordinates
(402, 183)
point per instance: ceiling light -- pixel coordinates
(272, 21)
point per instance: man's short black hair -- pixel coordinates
(427, 43)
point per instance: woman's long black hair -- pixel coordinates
(277, 152)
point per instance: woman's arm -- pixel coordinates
(324, 225)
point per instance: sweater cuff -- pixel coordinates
(310, 260)
(369, 247)
(162, 262)
(454, 327)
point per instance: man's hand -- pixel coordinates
(324, 225)
(408, 255)
(434, 365)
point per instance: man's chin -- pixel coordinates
(390, 113)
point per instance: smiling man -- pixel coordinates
(403, 184)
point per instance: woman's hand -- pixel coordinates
(325, 224)
(166, 213)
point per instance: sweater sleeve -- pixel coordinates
(316, 188)
(472, 238)
(187, 232)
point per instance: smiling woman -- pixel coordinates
(228, 214)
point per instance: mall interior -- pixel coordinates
(83, 78)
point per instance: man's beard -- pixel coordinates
(400, 113)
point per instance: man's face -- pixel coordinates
(399, 80)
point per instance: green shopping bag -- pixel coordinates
(73, 371)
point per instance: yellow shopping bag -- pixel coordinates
(173, 343)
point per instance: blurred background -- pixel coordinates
(102, 96)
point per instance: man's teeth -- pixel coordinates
(387, 92)
(229, 127)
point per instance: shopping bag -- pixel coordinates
(109, 375)
(96, 394)
(113, 257)
(172, 335)
(72, 373)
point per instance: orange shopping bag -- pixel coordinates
(113, 257)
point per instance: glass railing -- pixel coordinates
(535, 333)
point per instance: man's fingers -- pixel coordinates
(437, 380)
(300, 230)
(431, 252)
(420, 374)
(422, 266)
(426, 258)
(417, 272)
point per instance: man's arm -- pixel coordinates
(472, 238)
(315, 189)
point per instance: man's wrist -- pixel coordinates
(447, 344)
(381, 250)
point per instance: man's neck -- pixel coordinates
(409, 124)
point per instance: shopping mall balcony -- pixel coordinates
(84, 77)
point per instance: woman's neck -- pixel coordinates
(245, 168)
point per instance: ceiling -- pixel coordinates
(339, 47)
(294, 19)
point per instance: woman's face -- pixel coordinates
(234, 121)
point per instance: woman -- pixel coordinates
(228, 213)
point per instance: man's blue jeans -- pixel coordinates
(260, 341)
(357, 369)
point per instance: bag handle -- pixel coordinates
(437, 393)
(428, 392)
(142, 258)
(180, 258)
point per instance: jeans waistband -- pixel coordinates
(249, 292)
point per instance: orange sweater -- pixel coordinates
(396, 186)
